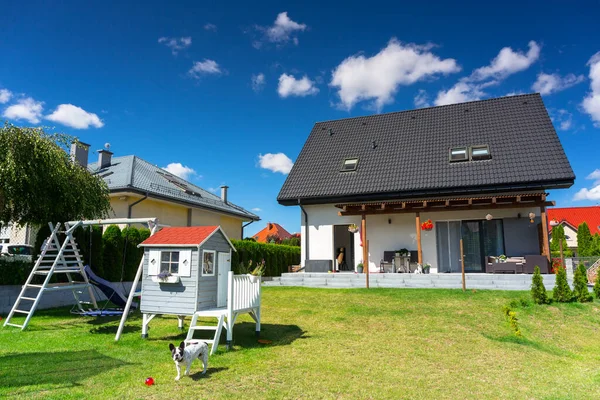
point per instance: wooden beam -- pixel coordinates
(518, 199)
(363, 207)
(463, 206)
(545, 244)
(364, 242)
(447, 203)
(493, 200)
(419, 248)
(382, 206)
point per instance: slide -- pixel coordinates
(109, 290)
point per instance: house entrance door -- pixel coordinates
(343, 248)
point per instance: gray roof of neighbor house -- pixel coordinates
(132, 174)
(406, 154)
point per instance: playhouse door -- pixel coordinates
(223, 269)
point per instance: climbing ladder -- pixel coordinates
(55, 258)
(220, 316)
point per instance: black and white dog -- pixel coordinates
(187, 354)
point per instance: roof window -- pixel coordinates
(349, 164)
(481, 152)
(459, 154)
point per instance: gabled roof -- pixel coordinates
(187, 236)
(272, 229)
(131, 173)
(575, 216)
(406, 154)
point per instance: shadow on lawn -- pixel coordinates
(62, 369)
(209, 371)
(521, 341)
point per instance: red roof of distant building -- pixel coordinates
(192, 235)
(574, 216)
(272, 229)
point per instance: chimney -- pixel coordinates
(104, 158)
(79, 153)
(224, 193)
(270, 226)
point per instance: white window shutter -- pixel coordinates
(153, 262)
(185, 263)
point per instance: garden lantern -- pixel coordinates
(489, 217)
(531, 217)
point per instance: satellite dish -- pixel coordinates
(107, 146)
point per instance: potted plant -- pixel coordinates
(426, 267)
(402, 253)
(258, 271)
(359, 268)
(165, 277)
(352, 228)
(427, 225)
(502, 258)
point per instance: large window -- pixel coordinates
(169, 262)
(208, 263)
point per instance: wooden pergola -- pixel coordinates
(417, 206)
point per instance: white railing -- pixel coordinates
(243, 292)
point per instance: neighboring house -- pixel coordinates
(570, 218)
(272, 230)
(479, 171)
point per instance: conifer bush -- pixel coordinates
(562, 292)
(597, 286)
(538, 290)
(580, 289)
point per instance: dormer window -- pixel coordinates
(480, 152)
(459, 154)
(349, 164)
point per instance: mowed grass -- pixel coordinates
(377, 343)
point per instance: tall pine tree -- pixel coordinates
(538, 290)
(584, 241)
(562, 292)
(580, 289)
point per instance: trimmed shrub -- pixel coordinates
(538, 290)
(562, 292)
(14, 272)
(132, 236)
(112, 253)
(597, 286)
(580, 289)
(277, 257)
(90, 244)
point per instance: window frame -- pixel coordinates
(170, 262)
(214, 254)
(488, 156)
(466, 150)
(343, 169)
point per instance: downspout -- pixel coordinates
(243, 226)
(306, 230)
(134, 203)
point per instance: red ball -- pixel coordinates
(149, 381)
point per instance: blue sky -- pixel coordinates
(227, 93)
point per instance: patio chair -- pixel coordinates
(533, 260)
(387, 261)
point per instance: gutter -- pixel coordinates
(306, 234)
(133, 204)
(243, 226)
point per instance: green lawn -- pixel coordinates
(377, 343)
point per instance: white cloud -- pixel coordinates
(377, 78)
(210, 27)
(506, 63)
(290, 86)
(591, 103)
(180, 170)
(594, 176)
(283, 29)
(26, 109)
(593, 193)
(564, 119)
(277, 162)
(258, 82)
(176, 44)
(5, 96)
(75, 117)
(422, 99)
(256, 209)
(546, 84)
(205, 67)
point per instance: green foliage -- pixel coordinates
(132, 236)
(597, 285)
(14, 272)
(558, 233)
(293, 241)
(584, 241)
(511, 317)
(40, 183)
(112, 253)
(277, 257)
(41, 235)
(596, 245)
(562, 292)
(580, 289)
(538, 290)
(91, 245)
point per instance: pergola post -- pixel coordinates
(545, 246)
(365, 248)
(419, 248)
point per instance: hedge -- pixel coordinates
(277, 257)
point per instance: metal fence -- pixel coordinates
(18, 234)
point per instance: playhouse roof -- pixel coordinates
(183, 236)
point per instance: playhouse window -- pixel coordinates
(208, 263)
(169, 261)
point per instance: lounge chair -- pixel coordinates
(387, 261)
(533, 260)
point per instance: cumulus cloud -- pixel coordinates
(277, 162)
(258, 82)
(5, 96)
(422, 99)
(26, 109)
(283, 30)
(176, 44)
(290, 86)
(180, 170)
(377, 78)
(256, 209)
(594, 192)
(547, 84)
(591, 103)
(506, 63)
(206, 67)
(75, 117)
(210, 27)
(563, 119)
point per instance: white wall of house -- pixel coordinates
(386, 232)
